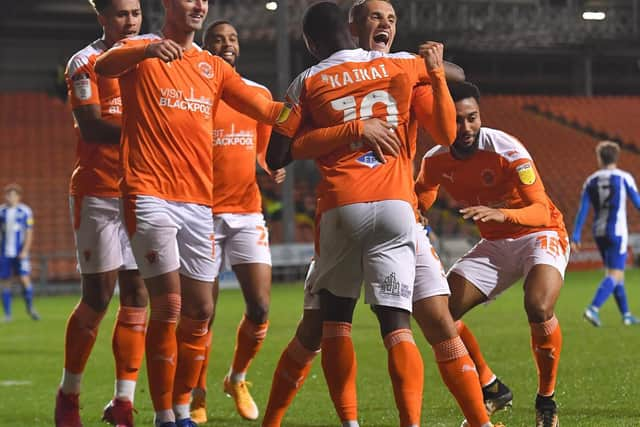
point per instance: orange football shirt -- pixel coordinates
(97, 168)
(502, 175)
(238, 140)
(168, 111)
(350, 85)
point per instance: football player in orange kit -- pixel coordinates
(523, 234)
(355, 185)
(374, 23)
(170, 91)
(103, 249)
(241, 236)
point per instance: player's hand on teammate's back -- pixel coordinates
(166, 49)
(433, 54)
(483, 214)
(381, 138)
(279, 175)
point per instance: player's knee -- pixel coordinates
(258, 312)
(539, 311)
(134, 296)
(197, 310)
(309, 331)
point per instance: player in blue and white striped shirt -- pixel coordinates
(16, 235)
(607, 191)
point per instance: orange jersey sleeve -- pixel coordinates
(426, 187)
(125, 55)
(320, 142)
(435, 110)
(525, 178)
(96, 171)
(241, 97)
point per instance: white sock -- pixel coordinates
(350, 424)
(70, 382)
(237, 377)
(181, 411)
(164, 416)
(125, 390)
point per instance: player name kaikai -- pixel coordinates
(374, 72)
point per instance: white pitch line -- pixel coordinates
(12, 383)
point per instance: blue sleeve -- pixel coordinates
(632, 191)
(583, 210)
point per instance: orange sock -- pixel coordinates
(162, 349)
(249, 339)
(128, 341)
(293, 367)
(459, 374)
(192, 342)
(407, 375)
(202, 379)
(339, 366)
(82, 331)
(546, 343)
(484, 371)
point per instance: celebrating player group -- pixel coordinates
(164, 195)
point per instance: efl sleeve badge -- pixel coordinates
(526, 173)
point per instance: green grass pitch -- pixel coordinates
(598, 380)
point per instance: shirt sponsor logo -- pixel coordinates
(369, 160)
(242, 138)
(526, 174)
(176, 99)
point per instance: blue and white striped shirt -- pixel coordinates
(607, 191)
(14, 223)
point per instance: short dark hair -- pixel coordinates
(100, 5)
(13, 187)
(210, 28)
(608, 152)
(464, 90)
(323, 21)
(357, 9)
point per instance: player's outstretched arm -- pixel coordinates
(437, 113)
(279, 151)
(537, 211)
(376, 134)
(93, 128)
(581, 216)
(121, 58)
(426, 189)
(242, 97)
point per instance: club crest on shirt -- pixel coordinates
(206, 69)
(488, 177)
(369, 160)
(526, 174)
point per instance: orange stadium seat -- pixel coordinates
(38, 145)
